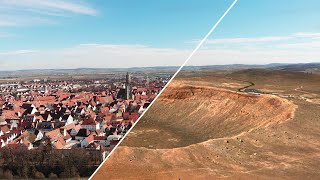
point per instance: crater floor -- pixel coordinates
(186, 115)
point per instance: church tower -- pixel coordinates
(147, 82)
(128, 86)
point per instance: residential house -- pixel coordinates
(90, 124)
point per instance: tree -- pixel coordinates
(70, 172)
(39, 175)
(23, 171)
(53, 176)
(1, 173)
(7, 174)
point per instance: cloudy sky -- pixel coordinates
(103, 33)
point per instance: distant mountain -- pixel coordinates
(277, 66)
(96, 69)
(234, 66)
(86, 71)
(300, 67)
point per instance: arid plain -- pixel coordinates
(205, 125)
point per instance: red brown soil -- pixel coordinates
(202, 132)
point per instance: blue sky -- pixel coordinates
(265, 31)
(105, 33)
(165, 23)
(270, 18)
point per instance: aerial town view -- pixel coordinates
(65, 126)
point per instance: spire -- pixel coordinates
(128, 86)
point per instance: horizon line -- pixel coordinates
(169, 66)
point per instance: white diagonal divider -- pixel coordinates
(175, 74)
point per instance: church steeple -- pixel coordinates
(128, 86)
(147, 82)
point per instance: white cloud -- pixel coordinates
(18, 52)
(13, 20)
(248, 40)
(232, 56)
(39, 12)
(94, 55)
(5, 34)
(4, 22)
(49, 6)
(264, 39)
(303, 45)
(307, 35)
(296, 47)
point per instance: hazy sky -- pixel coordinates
(106, 33)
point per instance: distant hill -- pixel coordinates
(234, 66)
(277, 66)
(300, 67)
(85, 71)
